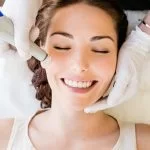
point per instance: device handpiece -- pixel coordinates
(7, 35)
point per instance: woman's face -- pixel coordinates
(82, 43)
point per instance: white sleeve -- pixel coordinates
(17, 95)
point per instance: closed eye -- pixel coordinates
(101, 51)
(61, 48)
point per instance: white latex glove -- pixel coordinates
(130, 62)
(23, 14)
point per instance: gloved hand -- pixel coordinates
(23, 14)
(131, 58)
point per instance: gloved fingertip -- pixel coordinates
(91, 109)
(34, 33)
(46, 62)
(88, 110)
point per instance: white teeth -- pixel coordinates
(84, 84)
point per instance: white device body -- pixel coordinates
(7, 35)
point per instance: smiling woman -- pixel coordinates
(83, 38)
(119, 22)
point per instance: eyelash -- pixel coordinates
(61, 48)
(103, 51)
(97, 51)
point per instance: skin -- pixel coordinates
(80, 56)
(78, 62)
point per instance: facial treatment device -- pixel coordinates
(7, 35)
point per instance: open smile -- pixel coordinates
(79, 86)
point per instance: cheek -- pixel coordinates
(58, 61)
(105, 67)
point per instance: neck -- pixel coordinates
(77, 124)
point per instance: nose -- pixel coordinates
(79, 62)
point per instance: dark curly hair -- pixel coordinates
(48, 9)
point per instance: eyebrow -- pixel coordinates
(63, 34)
(95, 38)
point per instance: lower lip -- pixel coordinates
(79, 90)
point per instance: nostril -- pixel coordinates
(79, 65)
(79, 68)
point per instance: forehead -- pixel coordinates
(83, 19)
